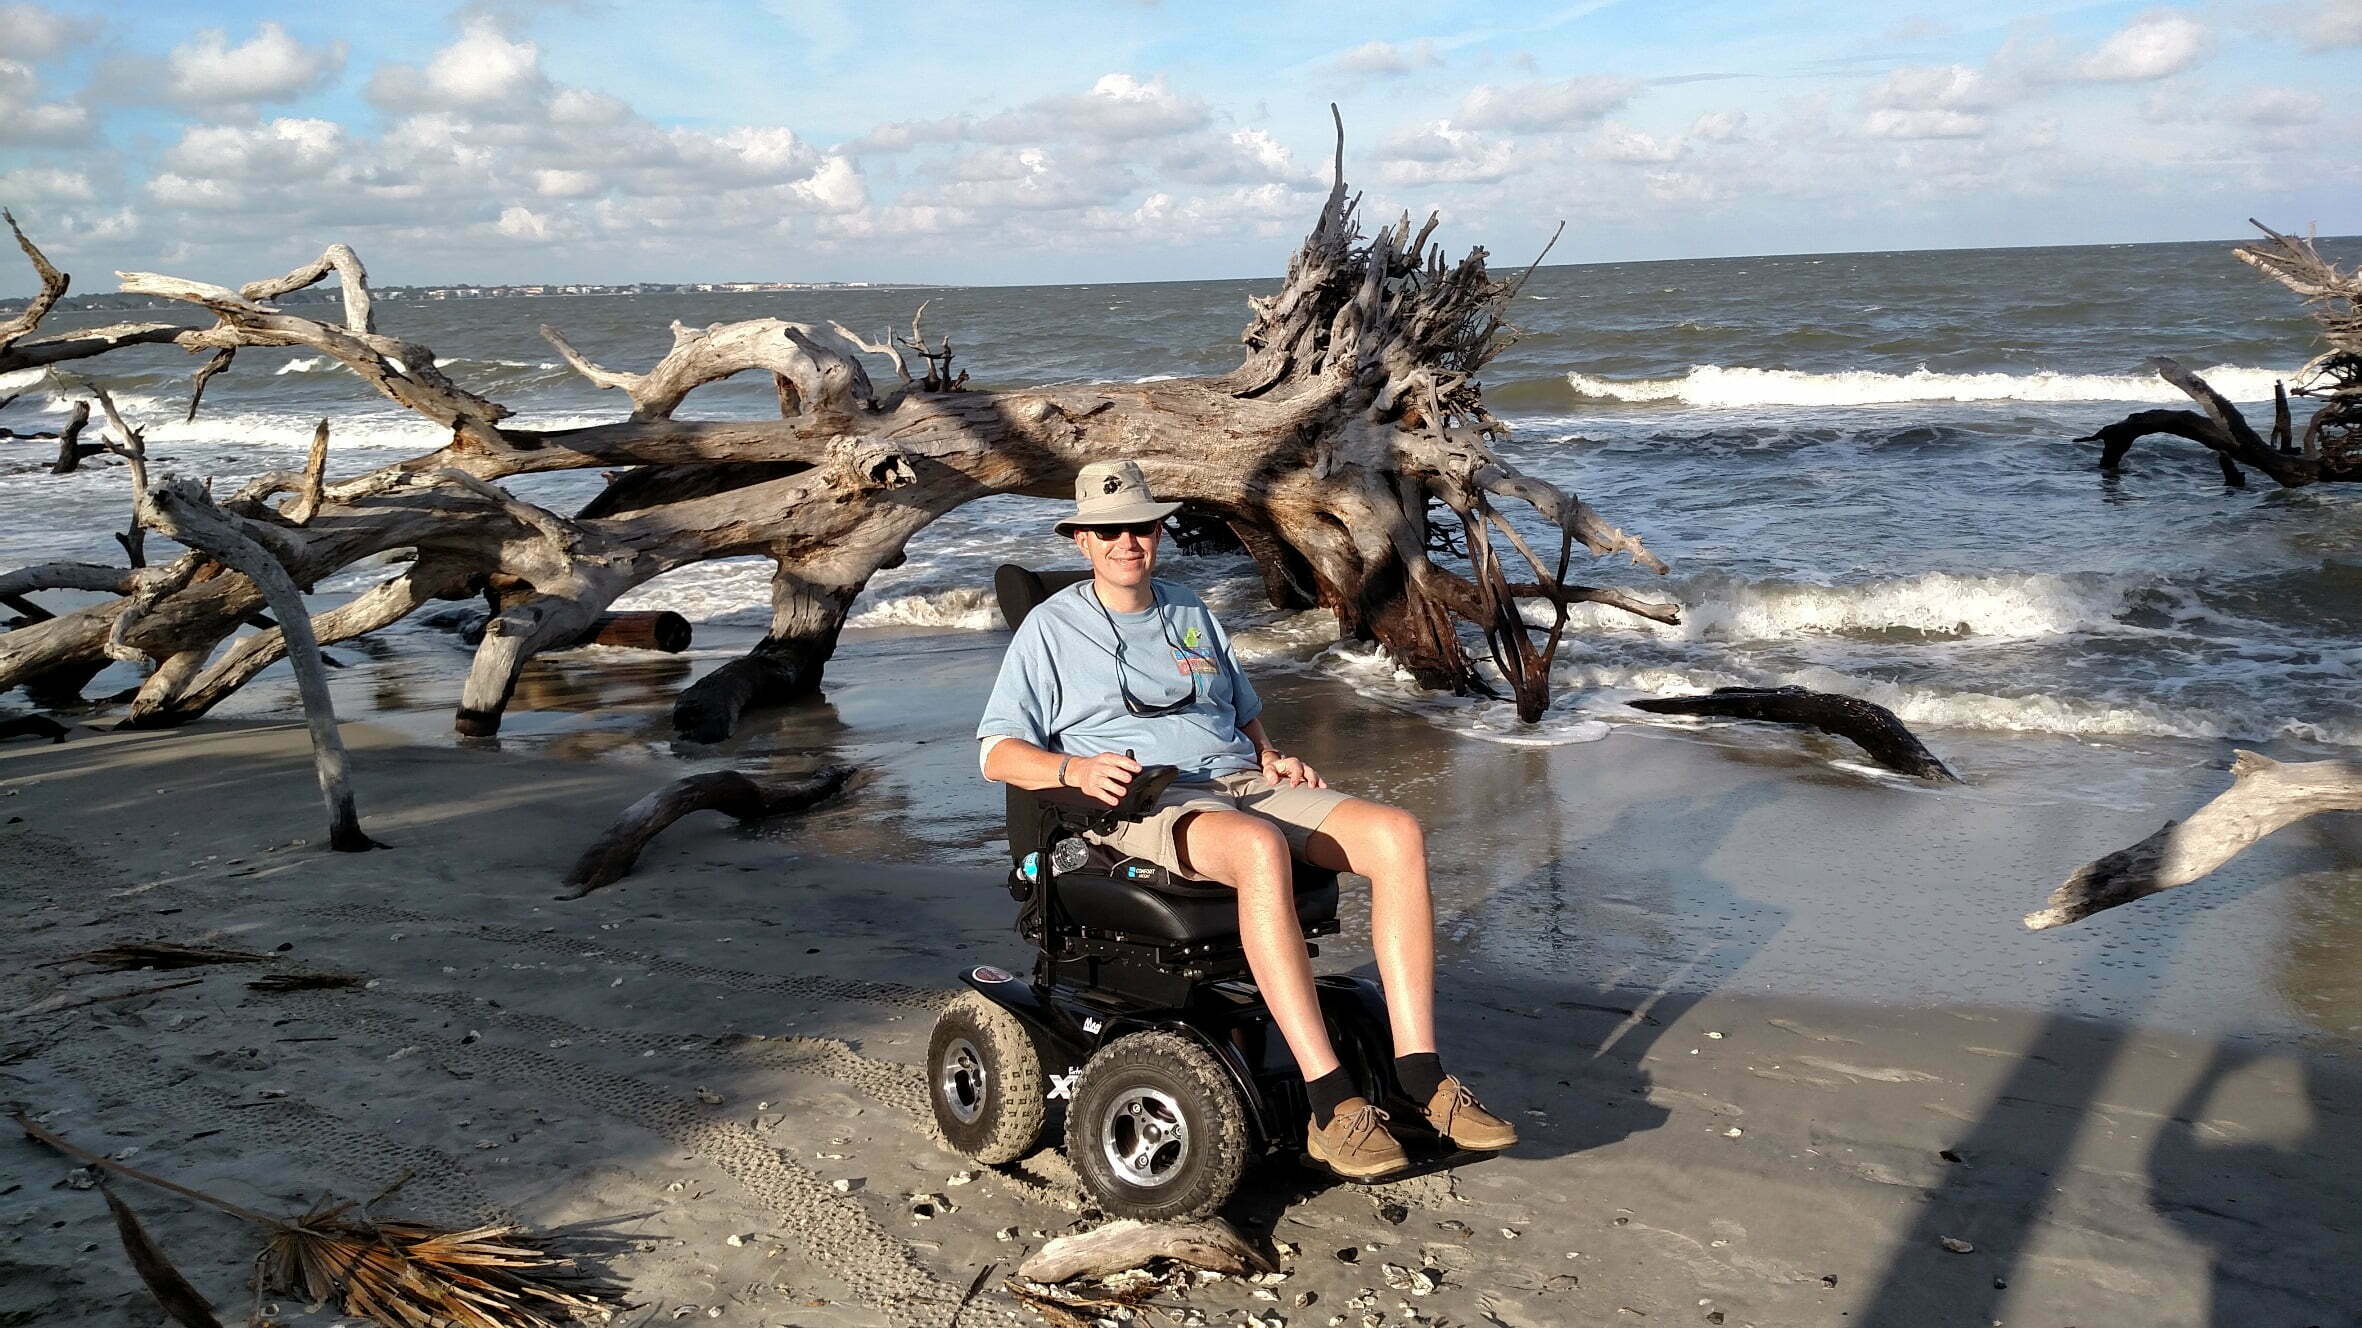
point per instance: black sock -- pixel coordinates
(1421, 1074)
(1328, 1093)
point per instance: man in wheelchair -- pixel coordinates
(1123, 671)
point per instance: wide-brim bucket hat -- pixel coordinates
(1113, 493)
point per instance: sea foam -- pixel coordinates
(1721, 387)
(1996, 606)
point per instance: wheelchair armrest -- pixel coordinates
(1084, 812)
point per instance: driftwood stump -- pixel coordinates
(2264, 796)
(729, 792)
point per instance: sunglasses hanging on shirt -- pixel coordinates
(1133, 705)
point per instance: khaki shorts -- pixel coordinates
(1298, 808)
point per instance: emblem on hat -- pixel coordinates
(1113, 493)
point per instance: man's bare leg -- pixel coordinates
(1250, 855)
(1385, 844)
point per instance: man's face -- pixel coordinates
(1121, 555)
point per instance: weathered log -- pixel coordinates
(2264, 796)
(772, 673)
(183, 510)
(642, 630)
(33, 726)
(1871, 727)
(1125, 1244)
(733, 794)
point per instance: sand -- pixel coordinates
(1768, 1025)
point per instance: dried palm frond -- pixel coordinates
(158, 954)
(401, 1274)
(280, 982)
(407, 1275)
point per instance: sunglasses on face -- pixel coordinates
(1138, 530)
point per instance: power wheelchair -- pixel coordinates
(1138, 1024)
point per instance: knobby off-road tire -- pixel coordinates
(984, 1079)
(1156, 1129)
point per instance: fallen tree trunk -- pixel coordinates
(2264, 796)
(1353, 424)
(1871, 727)
(733, 794)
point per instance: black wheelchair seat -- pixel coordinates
(1140, 899)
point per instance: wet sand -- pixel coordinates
(2146, 1119)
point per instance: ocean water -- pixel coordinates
(1860, 467)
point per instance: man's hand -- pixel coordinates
(1103, 777)
(1289, 770)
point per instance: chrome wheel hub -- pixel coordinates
(961, 1084)
(1145, 1137)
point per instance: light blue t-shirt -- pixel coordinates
(1057, 686)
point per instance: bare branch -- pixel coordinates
(315, 471)
(53, 287)
(825, 379)
(350, 276)
(219, 364)
(182, 510)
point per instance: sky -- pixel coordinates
(509, 141)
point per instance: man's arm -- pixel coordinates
(1016, 761)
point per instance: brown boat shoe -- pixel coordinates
(1354, 1143)
(1458, 1116)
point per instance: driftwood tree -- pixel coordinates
(2331, 447)
(1350, 452)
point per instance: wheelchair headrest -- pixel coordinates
(1019, 589)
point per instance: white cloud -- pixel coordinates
(1440, 152)
(1929, 102)
(2271, 107)
(279, 151)
(1120, 108)
(46, 184)
(836, 186)
(2330, 24)
(1567, 104)
(1894, 123)
(1242, 156)
(523, 223)
(2156, 44)
(1623, 143)
(565, 184)
(32, 32)
(26, 120)
(1384, 59)
(482, 71)
(1719, 127)
(1943, 87)
(270, 66)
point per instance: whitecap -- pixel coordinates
(1724, 387)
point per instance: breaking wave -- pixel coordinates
(1998, 606)
(1720, 387)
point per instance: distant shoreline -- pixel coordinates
(110, 301)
